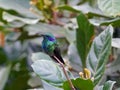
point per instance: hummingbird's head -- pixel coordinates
(49, 37)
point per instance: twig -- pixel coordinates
(55, 17)
(71, 85)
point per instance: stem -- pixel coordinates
(55, 19)
(71, 85)
(66, 2)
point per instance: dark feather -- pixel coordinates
(58, 55)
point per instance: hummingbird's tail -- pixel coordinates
(60, 58)
(58, 55)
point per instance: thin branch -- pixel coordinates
(55, 17)
(70, 82)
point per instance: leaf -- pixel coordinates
(99, 53)
(79, 84)
(20, 6)
(68, 8)
(70, 35)
(116, 42)
(45, 28)
(113, 21)
(14, 50)
(70, 32)
(107, 86)
(47, 86)
(34, 81)
(12, 36)
(16, 24)
(110, 7)
(84, 36)
(49, 72)
(39, 56)
(92, 14)
(74, 57)
(10, 18)
(4, 73)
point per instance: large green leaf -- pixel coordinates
(84, 36)
(49, 71)
(79, 84)
(110, 7)
(99, 53)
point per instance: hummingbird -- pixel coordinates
(50, 47)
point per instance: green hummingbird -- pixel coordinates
(50, 47)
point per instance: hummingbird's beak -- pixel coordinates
(40, 35)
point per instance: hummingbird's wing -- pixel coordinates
(58, 55)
